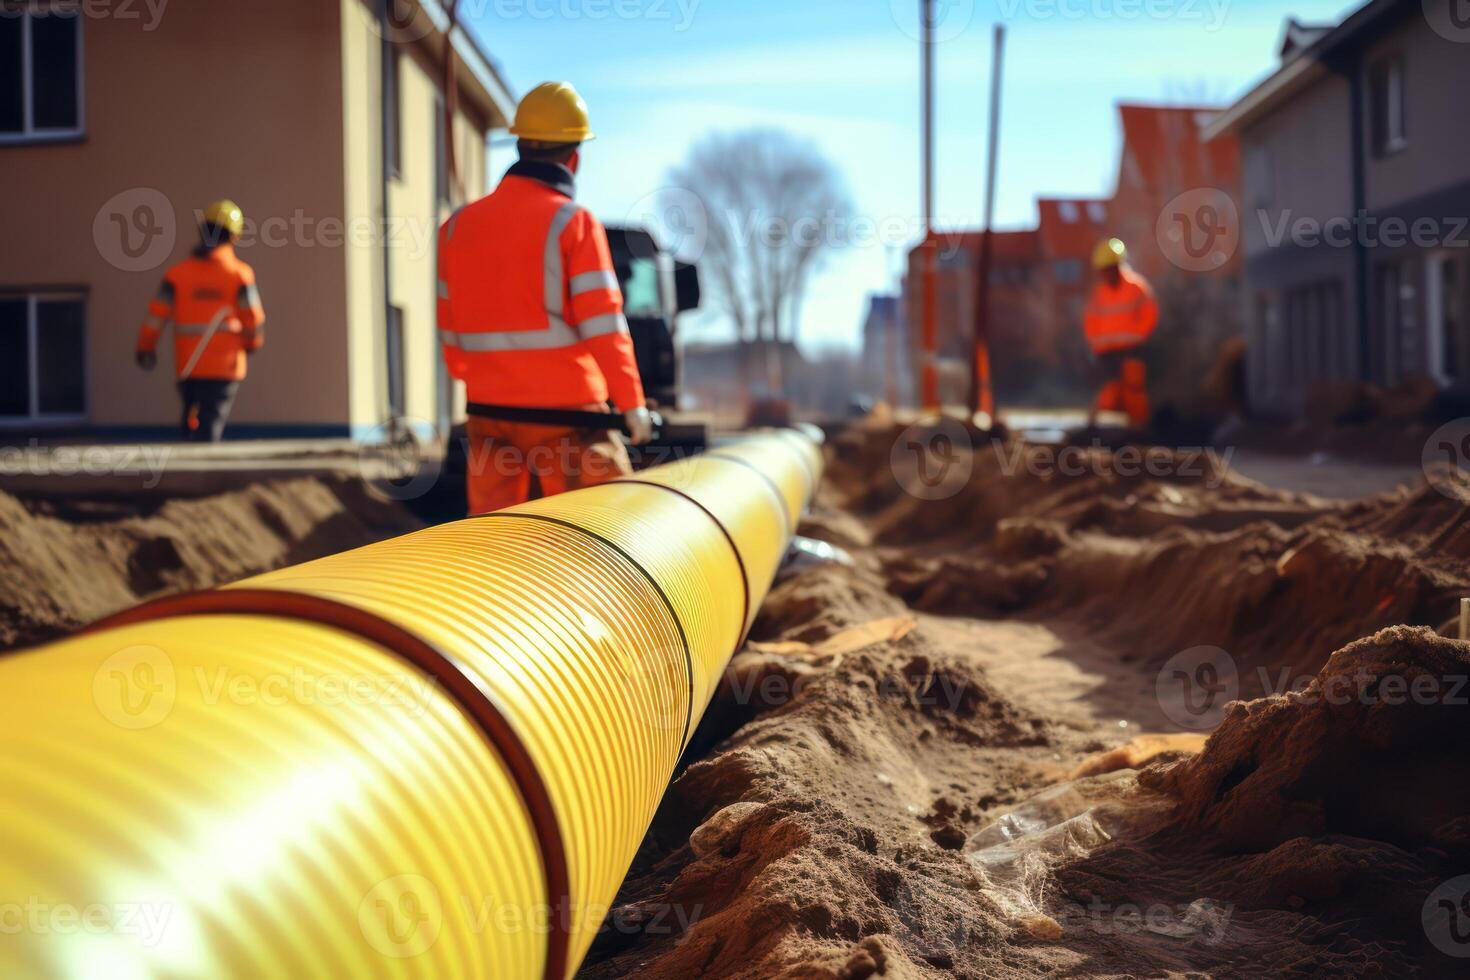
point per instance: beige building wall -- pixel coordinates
(276, 104)
(219, 99)
(414, 216)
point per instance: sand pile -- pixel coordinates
(65, 564)
(1163, 557)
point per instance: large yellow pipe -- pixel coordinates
(432, 756)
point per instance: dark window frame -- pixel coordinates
(33, 297)
(392, 110)
(396, 359)
(29, 133)
(1384, 110)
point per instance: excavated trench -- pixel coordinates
(988, 649)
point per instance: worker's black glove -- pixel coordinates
(146, 359)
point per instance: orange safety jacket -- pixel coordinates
(1122, 317)
(530, 311)
(205, 285)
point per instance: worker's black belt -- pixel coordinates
(569, 418)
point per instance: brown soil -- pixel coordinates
(66, 564)
(992, 646)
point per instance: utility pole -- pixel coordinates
(982, 392)
(929, 353)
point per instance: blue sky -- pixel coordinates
(658, 74)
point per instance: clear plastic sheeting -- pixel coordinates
(1018, 852)
(807, 553)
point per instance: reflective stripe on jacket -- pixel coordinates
(1120, 318)
(193, 293)
(530, 312)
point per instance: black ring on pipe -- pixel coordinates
(668, 605)
(789, 520)
(442, 667)
(739, 561)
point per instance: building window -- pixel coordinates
(1068, 211)
(1445, 300)
(1260, 176)
(1097, 213)
(1066, 272)
(392, 110)
(1386, 90)
(397, 380)
(1317, 335)
(42, 362)
(40, 74)
(441, 158)
(1396, 337)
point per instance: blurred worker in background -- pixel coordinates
(1121, 316)
(211, 300)
(531, 320)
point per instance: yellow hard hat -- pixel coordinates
(553, 112)
(1109, 254)
(227, 215)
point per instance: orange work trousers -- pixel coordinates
(1124, 386)
(513, 462)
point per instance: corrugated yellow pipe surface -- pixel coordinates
(432, 756)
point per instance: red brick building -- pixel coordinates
(1174, 194)
(1018, 304)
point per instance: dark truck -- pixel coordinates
(656, 290)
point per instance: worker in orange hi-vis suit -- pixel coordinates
(531, 320)
(1121, 316)
(214, 307)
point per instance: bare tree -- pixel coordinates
(773, 207)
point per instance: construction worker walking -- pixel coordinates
(531, 320)
(1121, 316)
(212, 303)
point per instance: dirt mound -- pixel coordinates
(822, 838)
(1370, 748)
(1160, 551)
(1322, 824)
(824, 835)
(65, 564)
